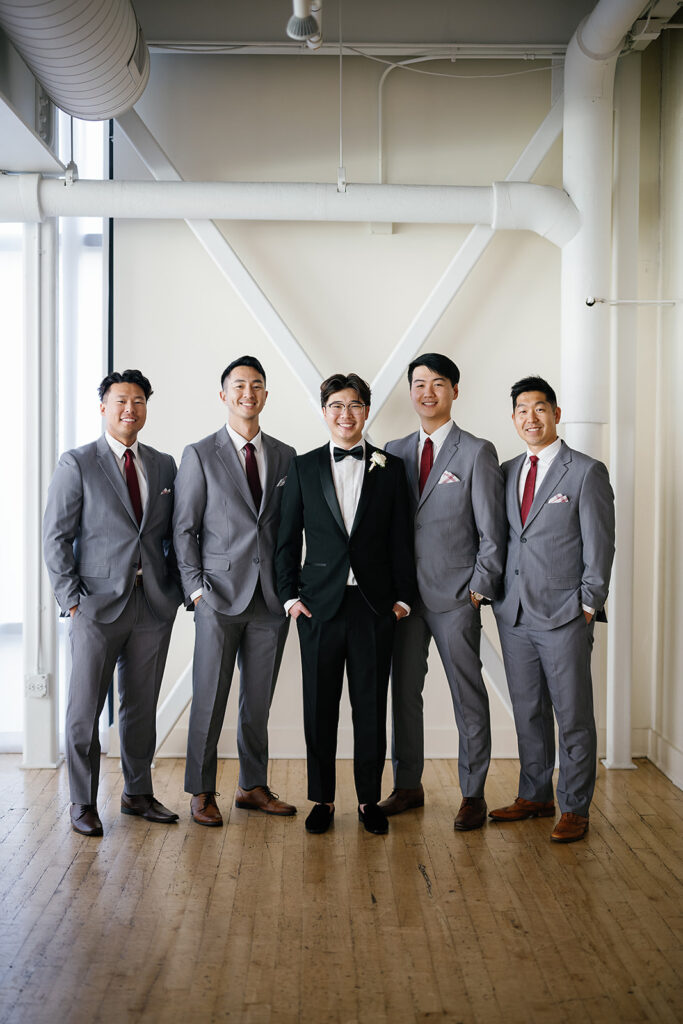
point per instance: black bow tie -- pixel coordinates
(341, 453)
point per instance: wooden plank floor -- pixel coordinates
(262, 923)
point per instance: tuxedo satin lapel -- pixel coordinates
(150, 465)
(327, 484)
(225, 450)
(446, 453)
(272, 474)
(550, 483)
(107, 463)
(410, 463)
(367, 489)
(514, 509)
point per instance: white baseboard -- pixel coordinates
(667, 757)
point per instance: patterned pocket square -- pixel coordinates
(448, 478)
(166, 490)
(281, 483)
(558, 499)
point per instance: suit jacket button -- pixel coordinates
(516, 572)
(522, 540)
(256, 561)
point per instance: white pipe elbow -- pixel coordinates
(520, 205)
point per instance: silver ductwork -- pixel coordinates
(89, 55)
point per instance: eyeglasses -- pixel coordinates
(339, 407)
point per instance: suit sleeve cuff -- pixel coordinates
(404, 605)
(586, 608)
(195, 594)
(288, 604)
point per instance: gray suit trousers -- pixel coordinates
(457, 634)
(256, 640)
(550, 669)
(138, 643)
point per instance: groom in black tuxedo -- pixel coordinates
(350, 501)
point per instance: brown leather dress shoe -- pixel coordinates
(402, 800)
(472, 814)
(85, 820)
(260, 798)
(147, 807)
(204, 810)
(569, 828)
(522, 809)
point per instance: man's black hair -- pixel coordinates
(533, 384)
(342, 381)
(439, 364)
(242, 361)
(127, 377)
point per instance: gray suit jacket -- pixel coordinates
(91, 540)
(223, 544)
(460, 524)
(562, 557)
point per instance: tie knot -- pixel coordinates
(533, 459)
(128, 455)
(249, 446)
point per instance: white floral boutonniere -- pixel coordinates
(377, 459)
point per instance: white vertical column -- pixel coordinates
(41, 704)
(623, 406)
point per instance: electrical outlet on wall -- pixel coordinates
(36, 686)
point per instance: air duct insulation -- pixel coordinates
(89, 55)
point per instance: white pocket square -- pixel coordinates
(448, 478)
(281, 483)
(166, 490)
(558, 499)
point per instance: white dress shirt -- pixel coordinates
(347, 476)
(438, 438)
(119, 449)
(239, 443)
(546, 457)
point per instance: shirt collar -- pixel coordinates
(239, 441)
(547, 454)
(333, 445)
(119, 449)
(438, 436)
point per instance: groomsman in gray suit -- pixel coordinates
(227, 510)
(560, 509)
(108, 552)
(456, 498)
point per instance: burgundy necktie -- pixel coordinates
(252, 475)
(426, 462)
(133, 483)
(529, 488)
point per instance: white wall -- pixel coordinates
(666, 737)
(346, 293)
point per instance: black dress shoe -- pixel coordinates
(374, 819)
(146, 806)
(85, 820)
(472, 814)
(320, 819)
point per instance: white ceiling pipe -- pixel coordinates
(504, 205)
(586, 258)
(519, 205)
(89, 56)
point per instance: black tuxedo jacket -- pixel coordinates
(378, 549)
